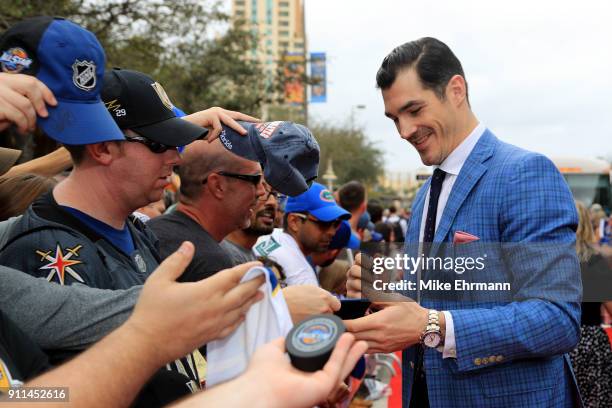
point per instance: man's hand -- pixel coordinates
(359, 277)
(271, 370)
(397, 326)
(212, 118)
(22, 97)
(174, 319)
(308, 300)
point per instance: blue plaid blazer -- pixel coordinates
(509, 353)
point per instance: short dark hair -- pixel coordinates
(375, 209)
(351, 195)
(286, 219)
(433, 61)
(77, 152)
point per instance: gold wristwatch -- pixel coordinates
(432, 336)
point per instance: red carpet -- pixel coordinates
(395, 400)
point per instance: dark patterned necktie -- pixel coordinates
(432, 209)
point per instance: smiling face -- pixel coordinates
(431, 125)
(264, 214)
(242, 196)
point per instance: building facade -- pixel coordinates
(279, 25)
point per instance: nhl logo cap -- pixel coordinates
(137, 102)
(287, 152)
(70, 61)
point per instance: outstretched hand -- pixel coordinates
(213, 118)
(175, 318)
(271, 370)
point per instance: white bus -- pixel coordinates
(589, 179)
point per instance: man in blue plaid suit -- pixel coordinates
(487, 348)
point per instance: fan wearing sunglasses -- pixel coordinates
(219, 193)
(310, 222)
(122, 134)
(83, 226)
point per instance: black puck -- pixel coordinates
(311, 342)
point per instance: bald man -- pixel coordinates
(219, 191)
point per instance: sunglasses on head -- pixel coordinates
(254, 179)
(321, 224)
(154, 147)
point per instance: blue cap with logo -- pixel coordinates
(287, 152)
(345, 237)
(319, 202)
(70, 61)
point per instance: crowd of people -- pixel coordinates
(84, 232)
(159, 257)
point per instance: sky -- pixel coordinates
(539, 71)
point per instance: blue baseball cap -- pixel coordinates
(287, 152)
(345, 237)
(319, 202)
(70, 61)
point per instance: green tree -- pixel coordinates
(217, 72)
(354, 156)
(189, 46)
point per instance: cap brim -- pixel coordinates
(172, 132)
(344, 238)
(8, 157)
(80, 123)
(330, 213)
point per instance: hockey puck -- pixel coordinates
(310, 343)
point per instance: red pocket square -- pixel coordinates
(463, 237)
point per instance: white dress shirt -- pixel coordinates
(452, 166)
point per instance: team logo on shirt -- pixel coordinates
(142, 265)
(61, 263)
(15, 60)
(84, 75)
(266, 247)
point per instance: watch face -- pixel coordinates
(431, 339)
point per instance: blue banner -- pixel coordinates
(318, 75)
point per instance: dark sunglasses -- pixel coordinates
(324, 225)
(254, 179)
(154, 147)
